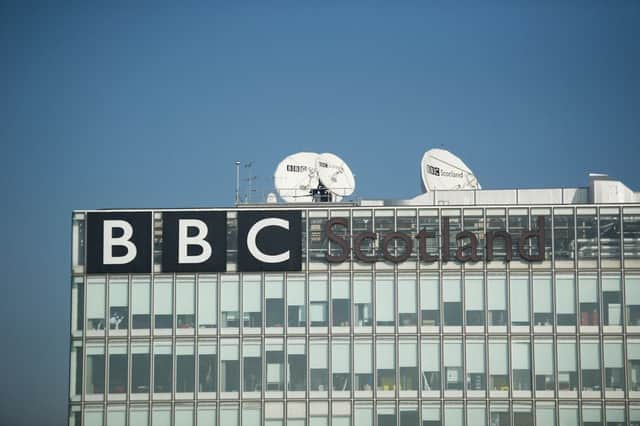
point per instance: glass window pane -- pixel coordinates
(94, 371)
(318, 365)
(452, 297)
(385, 364)
(384, 300)
(162, 367)
(185, 367)
(521, 365)
(117, 368)
(296, 312)
(229, 366)
(340, 364)
(613, 365)
(609, 236)
(429, 299)
(229, 301)
(408, 364)
(474, 299)
(633, 364)
(565, 300)
(118, 303)
(185, 300)
(340, 300)
(632, 295)
(519, 308)
(363, 364)
(140, 302)
(162, 301)
(544, 365)
(140, 367)
(631, 225)
(318, 306)
(475, 365)
(542, 296)
(297, 368)
(497, 299)
(251, 353)
(207, 302)
(590, 364)
(498, 366)
(407, 314)
(430, 357)
(452, 361)
(95, 303)
(252, 301)
(274, 355)
(207, 366)
(274, 300)
(567, 370)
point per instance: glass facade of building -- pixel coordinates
(366, 344)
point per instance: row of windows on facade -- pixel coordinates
(585, 235)
(360, 300)
(387, 413)
(343, 366)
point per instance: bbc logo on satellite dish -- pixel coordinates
(121, 242)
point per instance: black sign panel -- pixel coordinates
(194, 241)
(119, 242)
(269, 241)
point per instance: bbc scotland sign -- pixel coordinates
(196, 241)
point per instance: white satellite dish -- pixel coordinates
(335, 175)
(296, 177)
(441, 170)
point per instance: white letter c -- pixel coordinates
(253, 234)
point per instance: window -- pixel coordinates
(207, 302)
(497, 223)
(475, 365)
(185, 367)
(430, 300)
(140, 367)
(452, 361)
(431, 414)
(252, 359)
(162, 367)
(499, 414)
(430, 356)
(363, 414)
(475, 224)
(544, 365)
(565, 300)
(117, 368)
(615, 415)
(408, 363)
(408, 414)
(206, 415)
(568, 415)
(587, 236)
(498, 365)
(452, 297)
(385, 365)
(591, 415)
(297, 368)
(139, 415)
(162, 302)
(407, 314)
(590, 364)
(362, 300)
(518, 223)
(521, 365)
(95, 303)
(340, 365)
(545, 414)
(118, 303)
(340, 300)
(183, 415)
(497, 299)
(252, 301)
(251, 413)
(94, 372)
(274, 355)
(632, 296)
(295, 301)
(633, 364)
(230, 301)
(613, 366)
(542, 296)
(567, 371)
(229, 366)
(185, 299)
(474, 299)
(384, 224)
(386, 412)
(274, 300)
(588, 298)
(318, 365)
(318, 312)
(229, 414)
(207, 366)
(385, 311)
(631, 225)
(476, 414)
(453, 415)
(609, 236)
(564, 243)
(611, 299)
(363, 365)
(519, 294)
(140, 298)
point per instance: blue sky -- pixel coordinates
(149, 105)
